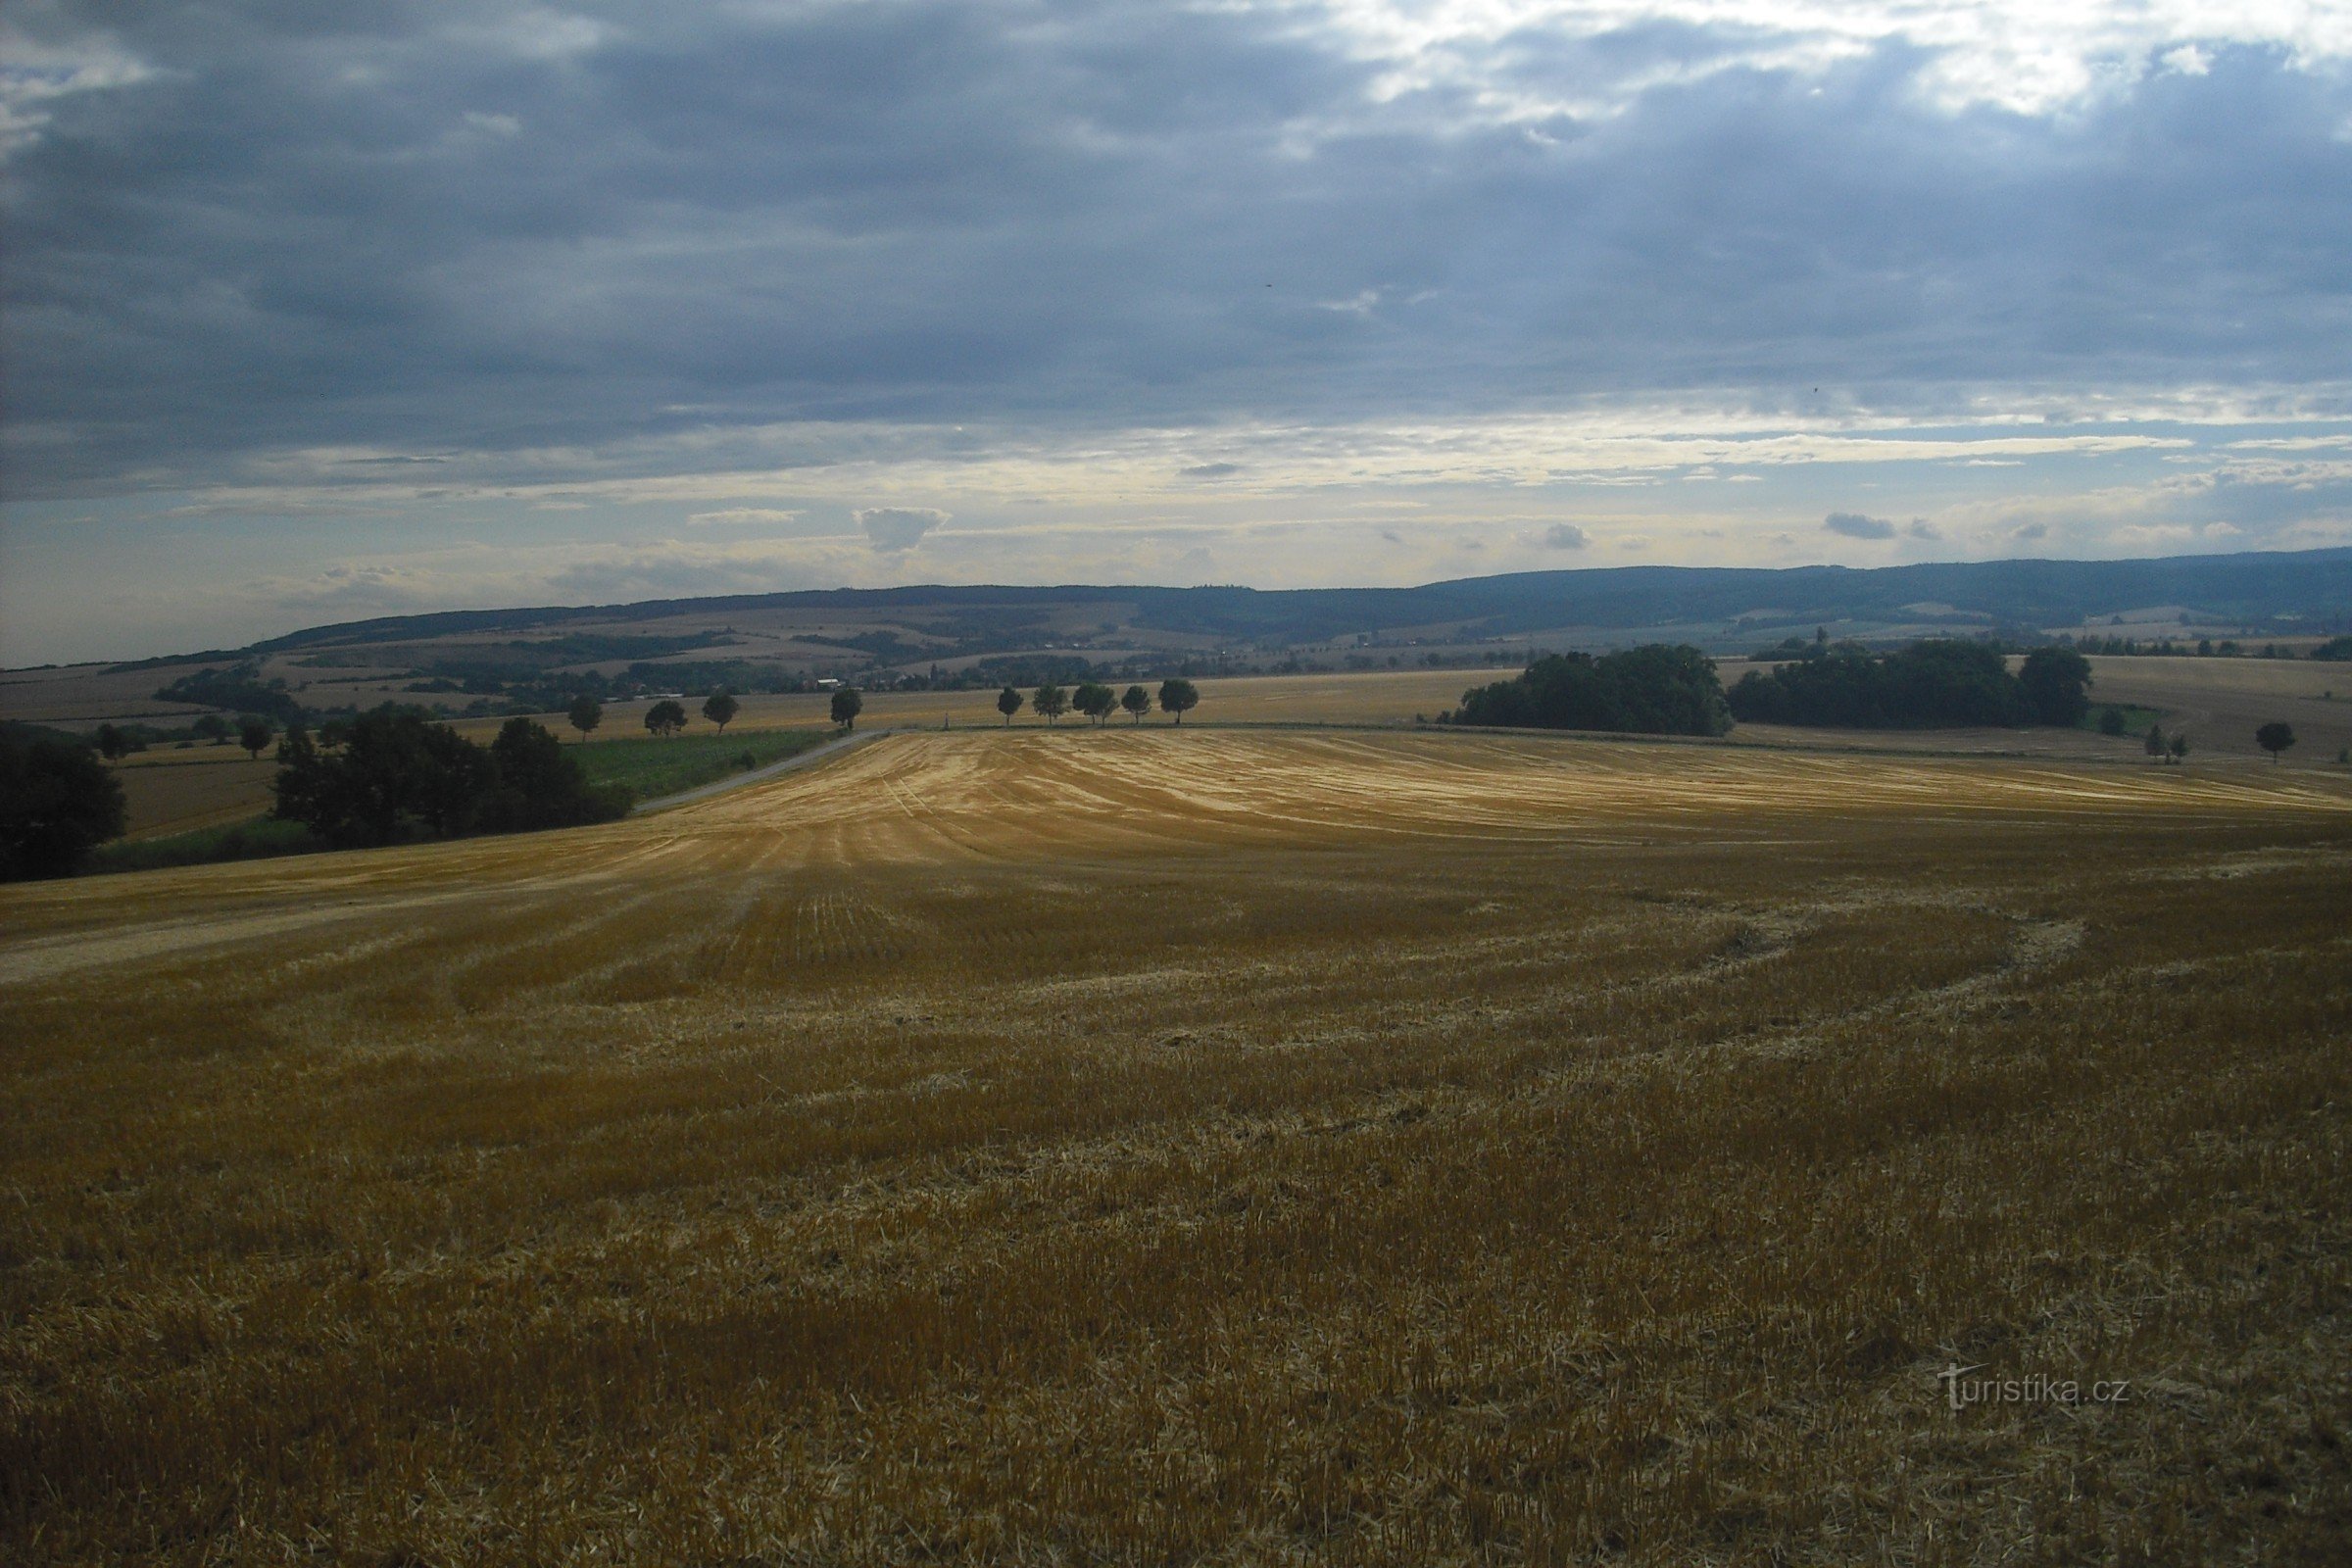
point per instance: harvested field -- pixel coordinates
(177, 792)
(1205, 1146)
(2219, 703)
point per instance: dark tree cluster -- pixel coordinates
(1941, 683)
(58, 801)
(1657, 690)
(239, 689)
(394, 772)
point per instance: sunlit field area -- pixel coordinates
(2219, 703)
(1214, 1145)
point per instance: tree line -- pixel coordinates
(1938, 683)
(1098, 702)
(1653, 690)
(394, 772)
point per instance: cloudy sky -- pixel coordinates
(315, 310)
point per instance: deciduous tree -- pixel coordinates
(1178, 696)
(538, 784)
(1050, 702)
(57, 803)
(585, 713)
(847, 706)
(2055, 682)
(395, 765)
(2275, 737)
(665, 718)
(1136, 700)
(1095, 699)
(1009, 703)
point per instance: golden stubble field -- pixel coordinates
(1205, 1146)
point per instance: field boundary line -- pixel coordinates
(816, 753)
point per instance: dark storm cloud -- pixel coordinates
(489, 227)
(1854, 526)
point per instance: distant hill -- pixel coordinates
(2278, 593)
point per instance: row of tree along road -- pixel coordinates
(1098, 702)
(1089, 699)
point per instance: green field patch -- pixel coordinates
(2136, 719)
(259, 839)
(654, 767)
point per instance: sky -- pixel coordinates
(313, 310)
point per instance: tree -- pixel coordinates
(539, 785)
(394, 766)
(112, 743)
(1009, 703)
(1050, 702)
(397, 770)
(719, 707)
(665, 718)
(254, 733)
(1136, 700)
(585, 714)
(57, 803)
(2111, 721)
(210, 727)
(2155, 741)
(847, 706)
(1656, 690)
(1095, 699)
(1931, 683)
(2179, 748)
(2055, 682)
(2275, 738)
(1178, 696)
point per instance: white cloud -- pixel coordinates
(2027, 56)
(35, 74)
(895, 528)
(744, 517)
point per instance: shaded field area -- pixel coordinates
(169, 792)
(1214, 1147)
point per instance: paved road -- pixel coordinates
(831, 749)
